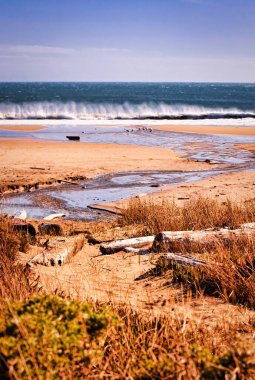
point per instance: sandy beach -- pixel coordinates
(24, 162)
(207, 129)
(21, 128)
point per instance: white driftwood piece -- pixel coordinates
(22, 215)
(120, 245)
(247, 226)
(164, 239)
(182, 260)
(63, 250)
(54, 216)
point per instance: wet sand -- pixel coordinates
(250, 147)
(204, 129)
(21, 128)
(236, 187)
(24, 162)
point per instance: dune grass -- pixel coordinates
(196, 214)
(50, 337)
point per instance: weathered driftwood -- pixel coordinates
(247, 226)
(120, 245)
(59, 253)
(54, 216)
(52, 229)
(136, 250)
(22, 215)
(164, 240)
(22, 226)
(183, 260)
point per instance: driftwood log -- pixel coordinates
(52, 229)
(54, 216)
(24, 227)
(58, 252)
(164, 241)
(183, 260)
(120, 245)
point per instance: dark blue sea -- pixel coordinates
(129, 101)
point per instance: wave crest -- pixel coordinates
(107, 111)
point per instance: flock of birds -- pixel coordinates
(138, 129)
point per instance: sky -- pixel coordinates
(127, 40)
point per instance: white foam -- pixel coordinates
(104, 111)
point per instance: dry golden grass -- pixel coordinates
(14, 278)
(229, 273)
(195, 214)
(136, 345)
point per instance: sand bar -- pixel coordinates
(21, 128)
(236, 187)
(25, 162)
(206, 129)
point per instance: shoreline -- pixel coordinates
(28, 164)
(22, 128)
(201, 129)
(235, 186)
(230, 128)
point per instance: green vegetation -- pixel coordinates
(50, 337)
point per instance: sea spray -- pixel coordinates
(100, 111)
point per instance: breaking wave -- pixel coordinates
(125, 111)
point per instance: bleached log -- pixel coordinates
(164, 240)
(61, 253)
(183, 260)
(247, 226)
(136, 250)
(54, 216)
(120, 245)
(22, 215)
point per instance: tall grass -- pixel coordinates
(14, 278)
(196, 214)
(229, 273)
(46, 337)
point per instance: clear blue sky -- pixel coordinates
(127, 40)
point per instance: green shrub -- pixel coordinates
(50, 338)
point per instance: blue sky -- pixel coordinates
(127, 40)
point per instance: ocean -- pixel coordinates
(174, 102)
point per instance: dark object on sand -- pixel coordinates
(73, 138)
(51, 229)
(23, 227)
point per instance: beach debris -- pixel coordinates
(120, 245)
(140, 195)
(166, 260)
(73, 138)
(22, 215)
(69, 182)
(58, 251)
(54, 216)
(51, 229)
(36, 168)
(164, 240)
(155, 185)
(24, 227)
